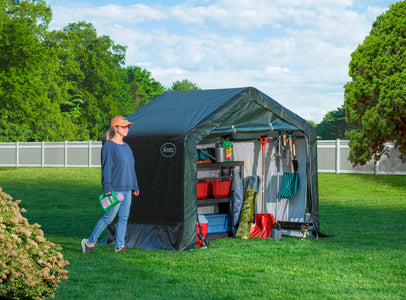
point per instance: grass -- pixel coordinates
(366, 260)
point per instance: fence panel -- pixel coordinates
(332, 156)
(51, 154)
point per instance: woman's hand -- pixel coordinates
(136, 193)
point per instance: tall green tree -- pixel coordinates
(65, 84)
(26, 111)
(138, 88)
(90, 73)
(184, 85)
(334, 125)
(375, 98)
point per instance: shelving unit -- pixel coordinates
(225, 171)
(222, 166)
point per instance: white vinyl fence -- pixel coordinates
(332, 156)
(50, 154)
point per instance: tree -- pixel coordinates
(312, 123)
(375, 98)
(184, 85)
(62, 85)
(138, 88)
(334, 125)
(26, 111)
(90, 74)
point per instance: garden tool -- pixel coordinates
(290, 180)
(263, 221)
(276, 231)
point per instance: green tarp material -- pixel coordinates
(164, 137)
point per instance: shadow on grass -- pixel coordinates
(364, 181)
(394, 181)
(371, 229)
(367, 211)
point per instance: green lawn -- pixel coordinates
(366, 260)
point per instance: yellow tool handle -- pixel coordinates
(291, 155)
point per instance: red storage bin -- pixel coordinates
(220, 187)
(202, 189)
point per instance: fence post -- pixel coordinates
(66, 154)
(90, 154)
(338, 161)
(17, 155)
(42, 154)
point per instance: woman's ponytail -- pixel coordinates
(110, 134)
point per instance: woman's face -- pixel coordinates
(122, 130)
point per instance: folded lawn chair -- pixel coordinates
(247, 210)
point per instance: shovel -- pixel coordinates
(263, 222)
(290, 181)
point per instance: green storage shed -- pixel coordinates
(168, 130)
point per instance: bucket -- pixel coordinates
(276, 232)
(220, 153)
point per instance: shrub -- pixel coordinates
(30, 266)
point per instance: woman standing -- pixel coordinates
(118, 175)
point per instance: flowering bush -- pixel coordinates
(30, 266)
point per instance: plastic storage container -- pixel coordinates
(228, 145)
(218, 223)
(220, 188)
(109, 201)
(202, 189)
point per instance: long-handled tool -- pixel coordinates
(263, 221)
(276, 228)
(264, 140)
(290, 181)
(293, 161)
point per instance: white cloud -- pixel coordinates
(228, 13)
(295, 51)
(107, 14)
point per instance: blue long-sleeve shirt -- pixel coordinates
(118, 172)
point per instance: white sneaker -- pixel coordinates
(121, 249)
(86, 247)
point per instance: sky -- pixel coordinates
(295, 51)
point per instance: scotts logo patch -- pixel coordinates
(168, 150)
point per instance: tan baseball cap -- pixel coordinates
(120, 121)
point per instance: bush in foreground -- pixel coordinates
(30, 266)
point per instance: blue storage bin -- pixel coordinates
(218, 223)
